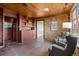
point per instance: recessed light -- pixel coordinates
(46, 9)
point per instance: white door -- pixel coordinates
(40, 29)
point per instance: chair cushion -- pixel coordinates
(61, 44)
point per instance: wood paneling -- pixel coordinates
(50, 35)
(36, 10)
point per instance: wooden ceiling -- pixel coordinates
(36, 10)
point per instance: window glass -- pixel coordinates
(74, 22)
(74, 14)
(78, 17)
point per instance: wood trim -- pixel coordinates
(14, 30)
(1, 32)
(18, 32)
(73, 7)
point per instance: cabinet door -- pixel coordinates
(1, 26)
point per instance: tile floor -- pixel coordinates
(29, 48)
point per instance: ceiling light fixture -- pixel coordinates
(46, 9)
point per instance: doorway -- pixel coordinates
(9, 26)
(40, 30)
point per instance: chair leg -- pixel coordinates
(49, 54)
(76, 51)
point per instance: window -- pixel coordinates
(75, 20)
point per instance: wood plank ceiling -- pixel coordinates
(36, 10)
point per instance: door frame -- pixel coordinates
(1, 20)
(43, 28)
(14, 19)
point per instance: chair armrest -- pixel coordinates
(56, 50)
(64, 45)
(58, 47)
